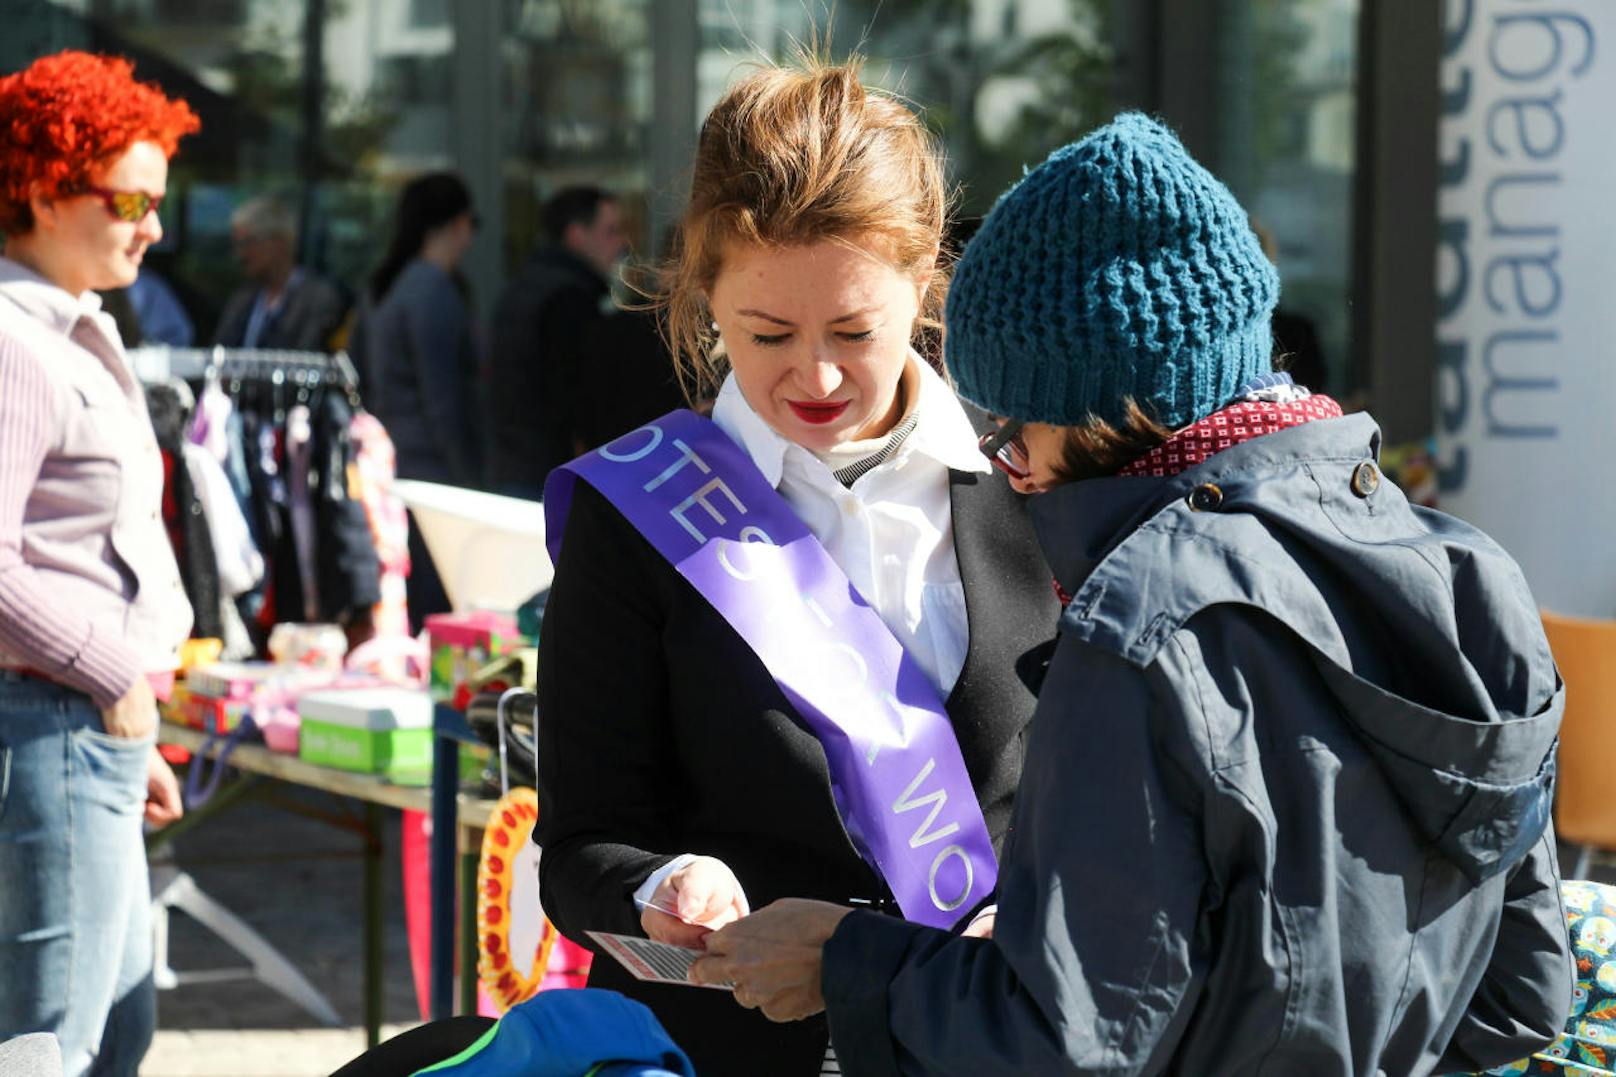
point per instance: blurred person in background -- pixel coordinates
(283, 304)
(91, 608)
(148, 312)
(162, 317)
(537, 342)
(627, 378)
(421, 355)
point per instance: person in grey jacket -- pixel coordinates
(420, 360)
(418, 354)
(1286, 801)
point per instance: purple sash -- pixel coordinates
(899, 781)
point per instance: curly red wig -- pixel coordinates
(64, 116)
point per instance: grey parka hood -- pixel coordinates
(1421, 626)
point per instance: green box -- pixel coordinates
(383, 731)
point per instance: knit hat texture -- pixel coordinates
(1117, 268)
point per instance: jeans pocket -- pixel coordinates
(110, 771)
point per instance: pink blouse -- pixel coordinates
(90, 595)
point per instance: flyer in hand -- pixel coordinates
(653, 962)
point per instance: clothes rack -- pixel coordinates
(157, 364)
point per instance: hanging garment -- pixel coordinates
(241, 566)
(346, 567)
(211, 420)
(188, 532)
(299, 434)
(371, 478)
(267, 502)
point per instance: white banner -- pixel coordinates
(1526, 288)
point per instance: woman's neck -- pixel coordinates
(442, 249)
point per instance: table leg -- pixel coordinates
(445, 784)
(373, 924)
(469, 857)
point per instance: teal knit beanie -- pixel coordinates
(1119, 267)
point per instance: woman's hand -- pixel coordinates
(134, 716)
(707, 895)
(163, 804)
(981, 927)
(774, 958)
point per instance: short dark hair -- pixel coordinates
(570, 206)
(1097, 448)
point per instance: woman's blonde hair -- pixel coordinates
(794, 156)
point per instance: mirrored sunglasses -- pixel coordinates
(1005, 450)
(130, 206)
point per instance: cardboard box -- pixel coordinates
(385, 731)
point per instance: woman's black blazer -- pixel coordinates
(660, 733)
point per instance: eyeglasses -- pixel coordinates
(1005, 450)
(129, 206)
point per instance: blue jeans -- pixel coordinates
(75, 899)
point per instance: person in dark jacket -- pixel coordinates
(627, 380)
(420, 365)
(283, 304)
(536, 347)
(1286, 800)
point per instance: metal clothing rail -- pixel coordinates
(278, 367)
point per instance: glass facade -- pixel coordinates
(576, 86)
(1287, 148)
(334, 103)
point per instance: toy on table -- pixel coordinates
(462, 643)
(308, 646)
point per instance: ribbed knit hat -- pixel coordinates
(1119, 267)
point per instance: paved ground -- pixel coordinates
(297, 881)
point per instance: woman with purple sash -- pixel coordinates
(792, 650)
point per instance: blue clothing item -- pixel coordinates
(571, 1033)
(1117, 268)
(157, 308)
(75, 926)
(421, 369)
(1285, 807)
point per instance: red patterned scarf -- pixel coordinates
(1236, 423)
(1202, 440)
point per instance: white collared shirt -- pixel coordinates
(892, 532)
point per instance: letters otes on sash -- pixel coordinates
(898, 778)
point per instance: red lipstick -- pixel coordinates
(819, 412)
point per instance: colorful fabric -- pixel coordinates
(1234, 424)
(370, 480)
(1587, 1047)
(568, 1034)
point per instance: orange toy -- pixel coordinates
(509, 868)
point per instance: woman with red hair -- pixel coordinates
(91, 608)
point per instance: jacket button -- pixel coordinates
(1365, 479)
(1205, 498)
